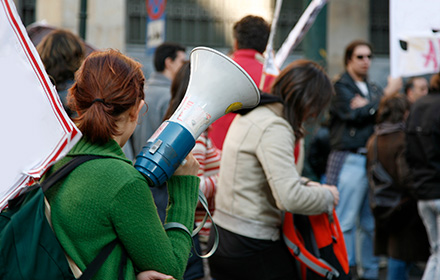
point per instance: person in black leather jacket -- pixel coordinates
(352, 118)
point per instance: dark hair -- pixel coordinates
(349, 50)
(62, 53)
(392, 108)
(113, 79)
(252, 32)
(305, 90)
(434, 83)
(409, 84)
(178, 89)
(164, 51)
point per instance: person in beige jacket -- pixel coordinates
(259, 177)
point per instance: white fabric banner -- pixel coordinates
(35, 129)
(413, 41)
(422, 56)
(299, 30)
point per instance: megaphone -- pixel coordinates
(217, 86)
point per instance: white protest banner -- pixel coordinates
(413, 42)
(422, 56)
(299, 30)
(35, 129)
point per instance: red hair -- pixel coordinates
(108, 84)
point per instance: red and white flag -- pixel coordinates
(299, 30)
(272, 62)
(270, 71)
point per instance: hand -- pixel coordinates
(358, 102)
(313, 184)
(334, 192)
(393, 86)
(190, 166)
(152, 275)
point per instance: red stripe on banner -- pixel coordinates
(36, 67)
(52, 157)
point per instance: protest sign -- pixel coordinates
(35, 129)
(413, 40)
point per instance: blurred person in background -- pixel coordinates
(399, 232)
(352, 118)
(62, 53)
(251, 34)
(416, 87)
(423, 157)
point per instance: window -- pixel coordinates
(26, 10)
(379, 26)
(136, 21)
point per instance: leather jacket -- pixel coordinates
(351, 128)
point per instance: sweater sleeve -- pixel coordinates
(208, 157)
(276, 155)
(138, 226)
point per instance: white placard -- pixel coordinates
(35, 129)
(155, 33)
(412, 22)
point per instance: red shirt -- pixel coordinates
(252, 62)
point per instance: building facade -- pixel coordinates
(120, 24)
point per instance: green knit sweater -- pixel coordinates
(105, 199)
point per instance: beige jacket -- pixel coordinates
(258, 178)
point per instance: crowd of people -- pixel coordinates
(248, 164)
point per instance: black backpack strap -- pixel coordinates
(99, 260)
(122, 264)
(96, 264)
(64, 170)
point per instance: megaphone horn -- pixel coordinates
(217, 86)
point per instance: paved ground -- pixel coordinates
(415, 274)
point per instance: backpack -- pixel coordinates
(385, 200)
(29, 248)
(317, 243)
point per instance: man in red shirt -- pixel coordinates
(250, 39)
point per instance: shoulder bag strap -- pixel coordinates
(375, 148)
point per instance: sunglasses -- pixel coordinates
(360, 57)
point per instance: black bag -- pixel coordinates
(384, 198)
(29, 248)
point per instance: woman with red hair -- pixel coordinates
(107, 199)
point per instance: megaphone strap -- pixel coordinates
(176, 225)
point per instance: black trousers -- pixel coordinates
(272, 263)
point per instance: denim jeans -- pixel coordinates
(429, 211)
(355, 215)
(398, 269)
